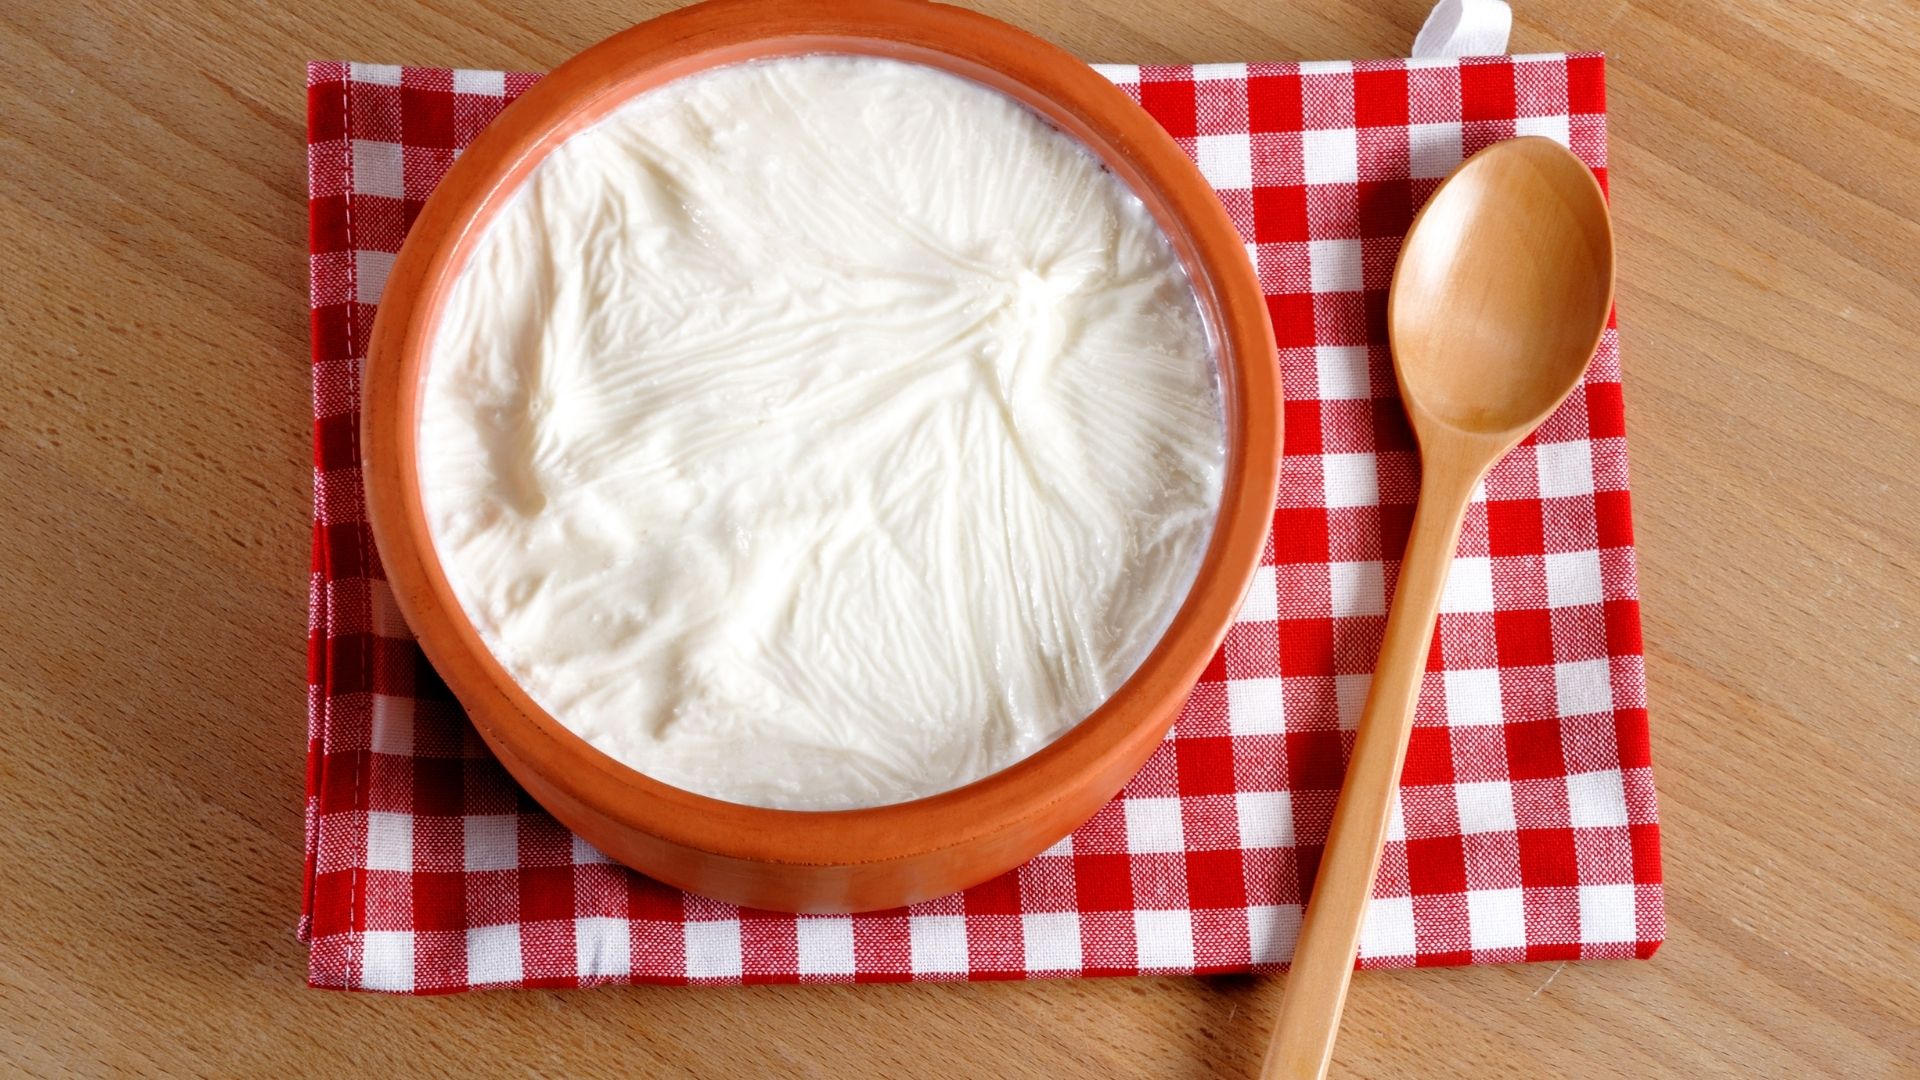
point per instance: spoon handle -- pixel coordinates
(1303, 1036)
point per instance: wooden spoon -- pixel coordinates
(1498, 302)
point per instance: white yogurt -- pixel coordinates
(821, 432)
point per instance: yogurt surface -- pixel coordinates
(821, 432)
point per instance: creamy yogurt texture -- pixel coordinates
(821, 432)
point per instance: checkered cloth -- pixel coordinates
(1526, 828)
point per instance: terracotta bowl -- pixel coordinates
(845, 860)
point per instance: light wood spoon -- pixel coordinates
(1498, 302)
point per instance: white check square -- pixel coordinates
(468, 81)
(1596, 799)
(1052, 940)
(1357, 588)
(1344, 372)
(1350, 697)
(713, 949)
(1350, 480)
(392, 725)
(825, 946)
(1225, 160)
(492, 842)
(1433, 150)
(493, 953)
(370, 270)
(1484, 806)
(1389, 927)
(1214, 72)
(1553, 127)
(389, 841)
(1163, 939)
(1265, 818)
(1334, 265)
(1256, 707)
(1331, 156)
(1469, 585)
(1272, 931)
(1153, 826)
(1573, 578)
(378, 169)
(939, 943)
(375, 74)
(1262, 602)
(1566, 469)
(1583, 688)
(1397, 821)
(602, 946)
(1473, 696)
(1497, 918)
(386, 960)
(1607, 914)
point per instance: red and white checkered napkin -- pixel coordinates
(1526, 828)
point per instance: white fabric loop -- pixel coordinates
(1458, 28)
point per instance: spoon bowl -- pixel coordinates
(1502, 290)
(1498, 302)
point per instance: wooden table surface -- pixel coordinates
(154, 487)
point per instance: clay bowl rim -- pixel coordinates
(1071, 95)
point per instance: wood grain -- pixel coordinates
(153, 544)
